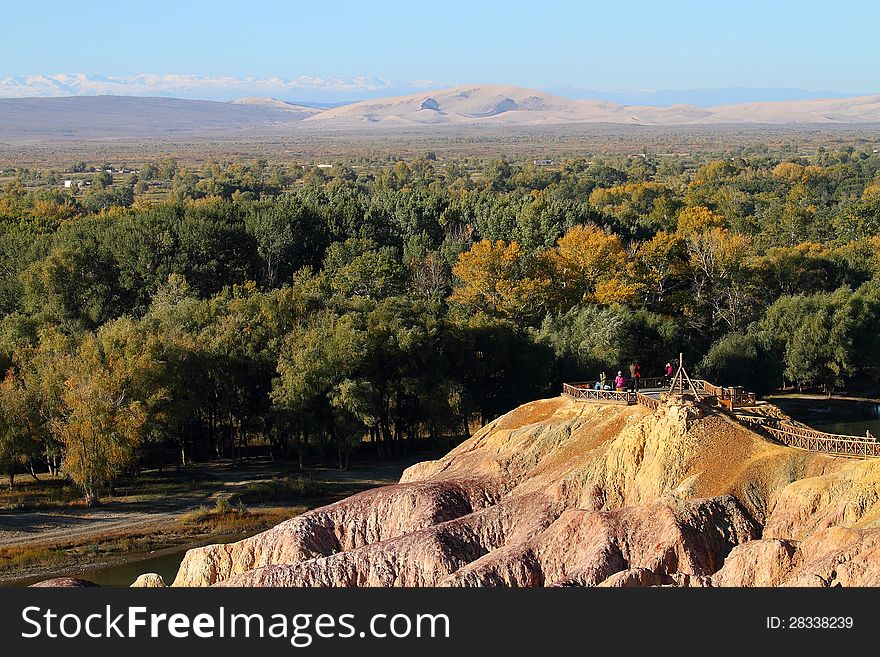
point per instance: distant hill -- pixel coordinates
(90, 117)
(865, 109)
(130, 117)
(697, 97)
(274, 103)
(505, 105)
(469, 105)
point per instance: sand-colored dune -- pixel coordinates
(274, 103)
(509, 106)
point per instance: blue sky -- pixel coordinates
(552, 45)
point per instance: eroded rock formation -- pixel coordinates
(566, 493)
(149, 581)
(64, 583)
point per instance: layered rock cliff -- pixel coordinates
(566, 493)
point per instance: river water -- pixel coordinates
(853, 426)
(124, 574)
(164, 562)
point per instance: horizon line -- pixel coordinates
(336, 91)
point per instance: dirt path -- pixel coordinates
(46, 528)
(39, 528)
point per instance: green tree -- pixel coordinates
(741, 359)
(18, 419)
(75, 286)
(288, 237)
(360, 268)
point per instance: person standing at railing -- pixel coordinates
(667, 371)
(635, 373)
(601, 383)
(620, 382)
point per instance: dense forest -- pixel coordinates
(312, 311)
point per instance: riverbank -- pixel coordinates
(166, 511)
(89, 550)
(819, 410)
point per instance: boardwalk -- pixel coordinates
(737, 401)
(813, 440)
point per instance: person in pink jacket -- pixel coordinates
(620, 382)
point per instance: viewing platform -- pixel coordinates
(734, 400)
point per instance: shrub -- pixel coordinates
(281, 489)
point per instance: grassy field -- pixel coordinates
(524, 142)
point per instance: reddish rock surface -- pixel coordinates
(64, 582)
(566, 493)
(837, 556)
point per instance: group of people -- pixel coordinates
(622, 384)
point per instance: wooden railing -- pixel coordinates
(587, 392)
(709, 388)
(653, 382)
(647, 401)
(815, 440)
(739, 396)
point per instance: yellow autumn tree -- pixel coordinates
(719, 261)
(797, 173)
(871, 193)
(591, 265)
(105, 406)
(868, 249)
(716, 172)
(631, 202)
(52, 212)
(616, 291)
(500, 279)
(697, 219)
(18, 417)
(662, 270)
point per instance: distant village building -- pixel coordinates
(543, 163)
(325, 166)
(68, 184)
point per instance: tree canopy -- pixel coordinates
(314, 311)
